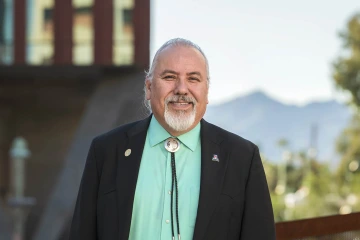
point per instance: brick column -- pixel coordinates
(103, 31)
(142, 33)
(63, 31)
(19, 13)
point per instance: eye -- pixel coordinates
(169, 77)
(194, 79)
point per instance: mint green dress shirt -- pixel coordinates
(151, 215)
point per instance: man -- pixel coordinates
(173, 175)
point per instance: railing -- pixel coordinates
(339, 227)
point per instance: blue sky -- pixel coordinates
(284, 48)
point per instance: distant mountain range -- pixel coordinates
(264, 121)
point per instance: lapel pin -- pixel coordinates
(215, 158)
(127, 152)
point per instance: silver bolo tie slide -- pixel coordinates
(173, 145)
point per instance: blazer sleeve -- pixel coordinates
(83, 224)
(258, 218)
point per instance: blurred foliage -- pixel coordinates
(348, 145)
(312, 189)
(346, 71)
(347, 76)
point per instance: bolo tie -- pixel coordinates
(172, 145)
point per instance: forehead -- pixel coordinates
(181, 58)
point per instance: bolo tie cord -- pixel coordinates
(174, 180)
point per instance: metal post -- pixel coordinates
(19, 153)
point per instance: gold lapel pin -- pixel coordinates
(127, 152)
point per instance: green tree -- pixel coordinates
(346, 74)
(348, 145)
(347, 67)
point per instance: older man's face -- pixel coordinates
(178, 92)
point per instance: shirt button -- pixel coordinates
(169, 192)
(167, 221)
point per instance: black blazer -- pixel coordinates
(234, 201)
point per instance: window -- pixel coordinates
(83, 32)
(6, 31)
(40, 32)
(123, 48)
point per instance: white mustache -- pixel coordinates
(177, 98)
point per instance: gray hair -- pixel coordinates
(172, 43)
(176, 42)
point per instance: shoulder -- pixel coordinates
(115, 133)
(231, 140)
(120, 133)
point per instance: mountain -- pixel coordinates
(264, 121)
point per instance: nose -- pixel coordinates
(181, 87)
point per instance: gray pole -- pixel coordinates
(19, 153)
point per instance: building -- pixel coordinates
(69, 70)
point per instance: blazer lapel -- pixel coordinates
(212, 175)
(127, 174)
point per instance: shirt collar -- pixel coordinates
(158, 134)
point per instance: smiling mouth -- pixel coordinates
(181, 103)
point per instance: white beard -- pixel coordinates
(179, 120)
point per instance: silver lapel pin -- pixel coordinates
(215, 158)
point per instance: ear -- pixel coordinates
(148, 89)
